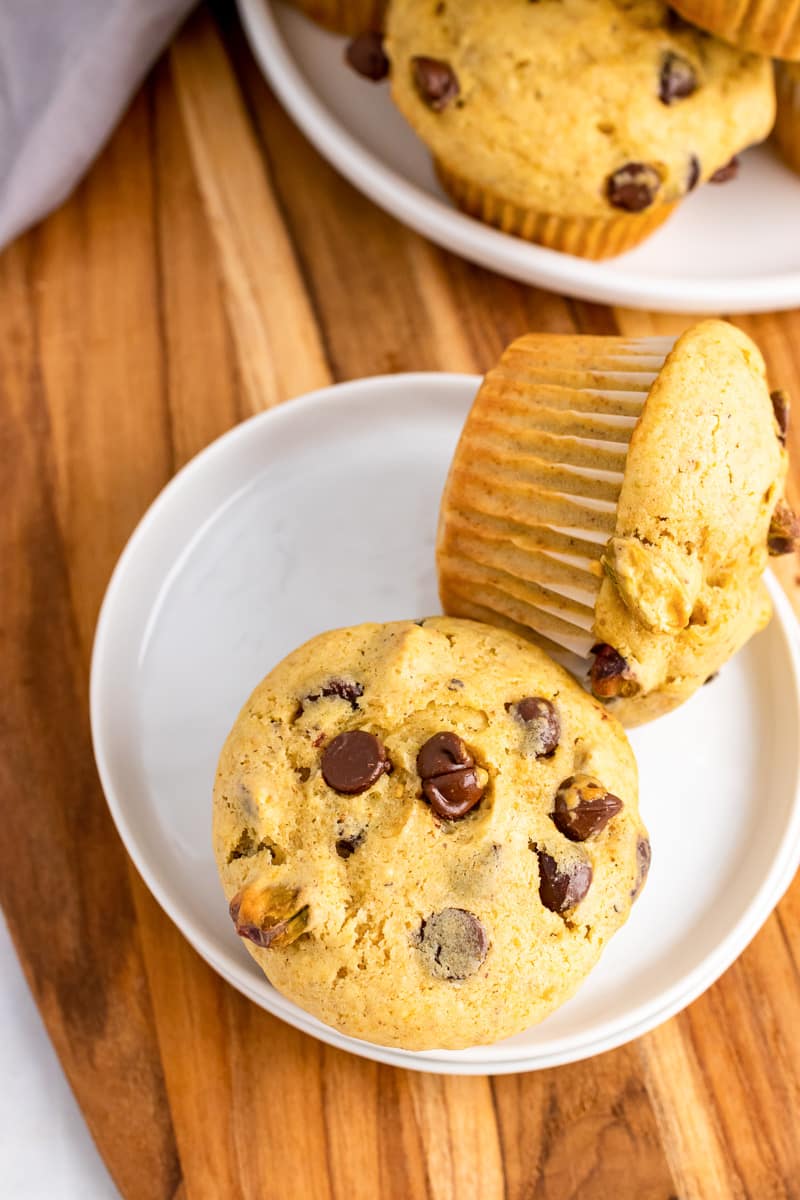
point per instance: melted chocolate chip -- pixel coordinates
(784, 530)
(610, 674)
(452, 796)
(542, 722)
(345, 689)
(561, 888)
(677, 79)
(723, 174)
(453, 944)
(780, 406)
(583, 808)
(449, 780)
(643, 856)
(633, 187)
(442, 753)
(366, 55)
(693, 174)
(436, 81)
(354, 761)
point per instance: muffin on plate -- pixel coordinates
(770, 27)
(344, 16)
(426, 831)
(616, 500)
(787, 124)
(578, 124)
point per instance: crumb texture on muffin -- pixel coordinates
(426, 832)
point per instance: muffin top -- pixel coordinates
(706, 465)
(426, 831)
(578, 107)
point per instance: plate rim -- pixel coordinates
(470, 238)
(646, 1017)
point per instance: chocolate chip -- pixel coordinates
(693, 174)
(435, 81)
(610, 674)
(366, 55)
(723, 174)
(455, 685)
(643, 856)
(268, 916)
(344, 689)
(450, 782)
(711, 678)
(561, 888)
(345, 846)
(677, 79)
(633, 187)
(453, 796)
(453, 943)
(353, 761)
(780, 406)
(784, 530)
(442, 753)
(583, 808)
(303, 774)
(540, 717)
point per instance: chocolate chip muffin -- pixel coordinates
(426, 831)
(344, 16)
(770, 27)
(578, 124)
(616, 500)
(787, 124)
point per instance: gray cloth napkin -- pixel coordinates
(67, 70)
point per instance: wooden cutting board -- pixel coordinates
(212, 265)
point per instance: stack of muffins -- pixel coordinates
(427, 831)
(581, 124)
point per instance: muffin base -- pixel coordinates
(770, 27)
(585, 237)
(531, 498)
(787, 125)
(350, 17)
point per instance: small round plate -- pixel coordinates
(322, 513)
(729, 248)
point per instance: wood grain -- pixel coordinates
(212, 265)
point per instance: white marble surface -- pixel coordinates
(46, 1152)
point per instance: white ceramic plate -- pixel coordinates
(322, 513)
(729, 248)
